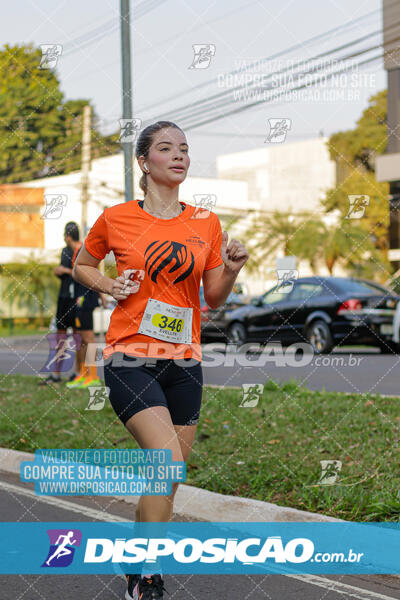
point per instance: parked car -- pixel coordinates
(396, 325)
(323, 311)
(102, 316)
(212, 320)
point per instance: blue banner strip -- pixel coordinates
(200, 548)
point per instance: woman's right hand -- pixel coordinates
(122, 288)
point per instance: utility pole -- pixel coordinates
(388, 164)
(127, 95)
(85, 167)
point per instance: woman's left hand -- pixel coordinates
(233, 254)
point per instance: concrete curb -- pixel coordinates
(11, 339)
(195, 503)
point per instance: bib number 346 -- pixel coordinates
(167, 322)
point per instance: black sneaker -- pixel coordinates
(147, 588)
(50, 379)
(132, 581)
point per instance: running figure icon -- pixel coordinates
(62, 549)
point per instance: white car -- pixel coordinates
(396, 324)
(101, 319)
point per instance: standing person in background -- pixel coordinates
(85, 301)
(65, 315)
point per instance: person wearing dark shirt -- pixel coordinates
(65, 314)
(85, 301)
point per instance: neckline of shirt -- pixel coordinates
(183, 216)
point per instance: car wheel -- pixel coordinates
(320, 337)
(389, 348)
(237, 333)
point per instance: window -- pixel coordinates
(273, 297)
(352, 286)
(305, 291)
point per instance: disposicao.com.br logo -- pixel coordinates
(248, 551)
(62, 547)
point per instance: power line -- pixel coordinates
(204, 104)
(249, 135)
(221, 100)
(301, 45)
(224, 16)
(169, 39)
(110, 27)
(201, 106)
(258, 102)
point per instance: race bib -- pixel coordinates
(167, 322)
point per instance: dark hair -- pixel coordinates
(72, 230)
(144, 142)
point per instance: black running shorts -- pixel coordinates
(138, 385)
(83, 319)
(65, 313)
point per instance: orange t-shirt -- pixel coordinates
(173, 253)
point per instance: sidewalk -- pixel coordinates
(195, 503)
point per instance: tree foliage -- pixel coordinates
(309, 238)
(359, 147)
(355, 152)
(32, 285)
(40, 131)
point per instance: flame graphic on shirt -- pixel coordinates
(161, 254)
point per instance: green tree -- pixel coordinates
(268, 235)
(354, 152)
(32, 285)
(359, 244)
(66, 156)
(309, 238)
(40, 133)
(358, 147)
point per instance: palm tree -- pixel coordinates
(309, 238)
(349, 243)
(32, 285)
(267, 236)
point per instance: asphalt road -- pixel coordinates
(19, 503)
(356, 370)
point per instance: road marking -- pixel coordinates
(351, 591)
(65, 504)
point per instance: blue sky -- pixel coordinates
(242, 31)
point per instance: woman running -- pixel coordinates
(163, 248)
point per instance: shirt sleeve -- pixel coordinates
(96, 242)
(214, 256)
(65, 259)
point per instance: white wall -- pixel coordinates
(106, 185)
(286, 177)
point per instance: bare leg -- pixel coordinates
(60, 334)
(79, 357)
(152, 428)
(87, 337)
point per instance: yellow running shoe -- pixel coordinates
(76, 382)
(89, 381)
